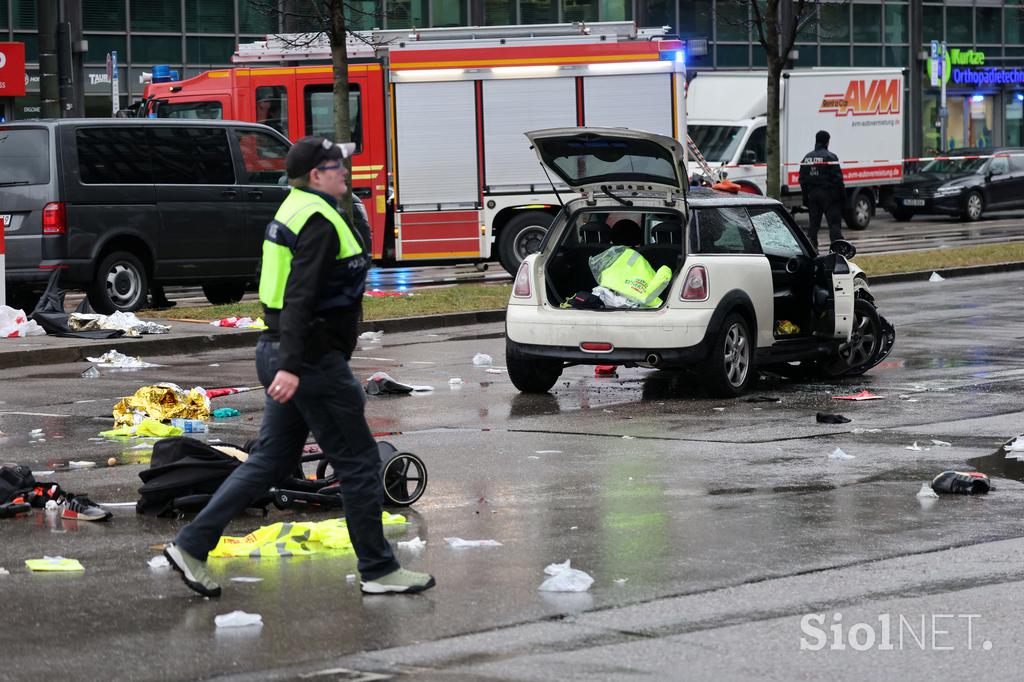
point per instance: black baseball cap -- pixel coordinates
(310, 152)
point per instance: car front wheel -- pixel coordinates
(730, 365)
(974, 206)
(856, 356)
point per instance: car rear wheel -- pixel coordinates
(856, 356)
(730, 365)
(532, 375)
(220, 293)
(120, 283)
(860, 213)
(974, 206)
(520, 237)
(901, 214)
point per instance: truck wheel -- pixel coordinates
(522, 236)
(220, 293)
(120, 283)
(730, 364)
(861, 211)
(901, 214)
(974, 206)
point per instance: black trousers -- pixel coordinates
(823, 202)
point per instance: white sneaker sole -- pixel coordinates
(371, 587)
(177, 562)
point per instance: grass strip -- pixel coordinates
(939, 259)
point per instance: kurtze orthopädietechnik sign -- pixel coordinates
(967, 67)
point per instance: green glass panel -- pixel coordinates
(867, 23)
(616, 10)
(209, 16)
(896, 56)
(731, 21)
(499, 12)
(100, 45)
(661, 12)
(986, 25)
(959, 26)
(1013, 25)
(866, 56)
(103, 15)
(362, 15)
(448, 13)
(156, 49)
(732, 55)
(210, 51)
(834, 24)
(156, 15)
(896, 23)
(835, 56)
(407, 14)
(931, 23)
(254, 19)
(538, 11)
(579, 10)
(757, 55)
(695, 19)
(31, 41)
(24, 13)
(807, 55)
(3, 16)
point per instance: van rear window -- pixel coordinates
(24, 157)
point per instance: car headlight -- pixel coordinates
(948, 191)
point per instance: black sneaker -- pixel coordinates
(81, 508)
(962, 482)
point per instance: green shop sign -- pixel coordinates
(967, 67)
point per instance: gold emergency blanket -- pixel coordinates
(162, 402)
(294, 539)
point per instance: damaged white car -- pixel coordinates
(641, 270)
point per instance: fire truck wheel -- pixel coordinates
(520, 237)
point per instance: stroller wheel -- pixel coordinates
(385, 449)
(405, 479)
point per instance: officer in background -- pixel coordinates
(821, 182)
(312, 279)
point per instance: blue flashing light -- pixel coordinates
(163, 74)
(1020, 96)
(678, 56)
(977, 98)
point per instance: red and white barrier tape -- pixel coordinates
(914, 159)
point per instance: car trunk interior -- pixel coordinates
(656, 234)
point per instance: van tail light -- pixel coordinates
(522, 289)
(54, 218)
(695, 287)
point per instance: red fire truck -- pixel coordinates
(438, 117)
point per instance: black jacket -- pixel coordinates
(817, 177)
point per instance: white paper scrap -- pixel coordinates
(941, 443)
(159, 562)
(482, 359)
(414, 545)
(565, 579)
(459, 543)
(926, 491)
(239, 619)
(936, 277)
(246, 579)
(839, 454)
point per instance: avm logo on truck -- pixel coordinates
(878, 98)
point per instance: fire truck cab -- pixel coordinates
(442, 164)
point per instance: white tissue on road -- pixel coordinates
(371, 336)
(936, 277)
(246, 579)
(158, 562)
(51, 505)
(926, 491)
(495, 370)
(482, 359)
(564, 578)
(239, 619)
(621, 581)
(941, 443)
(916, 448)
(414, 545)
(459, 543)
(839, 454)
(82, 464)
(113, 358)
(548, 452)
(4, 571)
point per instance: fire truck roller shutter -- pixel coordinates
(512, 107)
(437, 160)
(640, 102)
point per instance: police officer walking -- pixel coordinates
(312, 279)
(821, 182)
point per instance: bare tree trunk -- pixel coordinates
(773, 181)
(339, 59)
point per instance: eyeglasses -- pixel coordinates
(335, 166)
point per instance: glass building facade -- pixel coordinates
(195, 35)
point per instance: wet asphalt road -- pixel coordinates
(710, 526)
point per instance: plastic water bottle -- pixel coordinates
(190, 425)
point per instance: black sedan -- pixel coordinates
(964, 187)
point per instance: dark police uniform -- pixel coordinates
(823, 191)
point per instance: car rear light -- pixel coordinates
(522, 285)
(695, 287)
(596, 346)
(54, 218)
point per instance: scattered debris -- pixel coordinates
(81, 464)
(239, 619)
(605, 371)
(294, 539)
(459, 543)
(129, 323)
(162, 402)
(548, 452)
(564, 578)
(90, 373)
(225, 413)
(839, 454)
(246, 579)
(51, 505)
(863, 395)
(414, 545)
(455, 381)
(494, 370)
(926, 491)
(936, 277)
(112, 461)
(829, 418)
(113, 358)
(240, 323)
(621, 581)
(382, 383)
(54, 564)
(962, 483)
(159, 562)
(941, 443)
(718, 409)
(14, 323)
(482, 359)
(4, 571)
(916, 448)
(371, 336)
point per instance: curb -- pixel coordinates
(966, 271)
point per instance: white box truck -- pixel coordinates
(862, 109)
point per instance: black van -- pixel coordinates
(119, 204)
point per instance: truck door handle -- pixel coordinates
(256, 194)
(229, 193)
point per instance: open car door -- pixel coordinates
(842, 293)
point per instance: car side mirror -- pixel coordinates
(843, 248)
(748, 157)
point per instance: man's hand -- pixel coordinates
(283, 387)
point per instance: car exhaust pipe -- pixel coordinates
(653, 359)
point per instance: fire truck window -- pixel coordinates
(263, 157)
(190, 110)
(320, 112)
(190, 156)
(272, 107)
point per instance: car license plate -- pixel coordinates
(913, 202)
(5, 218)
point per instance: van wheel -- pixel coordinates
(520, 237)
(120, 283)
(730, 364)
(219, 293)
(974, 206)
(859, 215)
